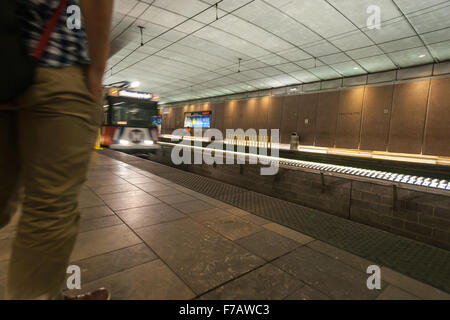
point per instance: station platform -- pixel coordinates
(151, 231)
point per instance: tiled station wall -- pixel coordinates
(408, 117)
(417, 215)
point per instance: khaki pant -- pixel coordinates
(45, 143)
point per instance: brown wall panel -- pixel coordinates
(165, 126)
(238, 114)
(171, 119)
(249, 110)
(376, 118)
(168, 121)
(179, 118)
(306, 125)
(274, 113)
(349, 118)
(205, 107)
(218, 114)
(408, 117)
(229, 110)
(289, 117)
(437, 130)
(391, 117)
(327, 110)
(263, 105)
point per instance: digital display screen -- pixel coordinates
(197, 119)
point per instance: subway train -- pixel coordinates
(131, 122)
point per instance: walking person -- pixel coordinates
(46, 139)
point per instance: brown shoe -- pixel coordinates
(99, 294)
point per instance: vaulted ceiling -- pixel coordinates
(191, 49)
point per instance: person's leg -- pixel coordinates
(9, 166)
(58, 122)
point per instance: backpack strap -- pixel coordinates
(49, 28)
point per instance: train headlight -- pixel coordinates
(124, 142)
(148, 142)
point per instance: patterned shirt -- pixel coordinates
(67, 47)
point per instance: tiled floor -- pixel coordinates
(145, 237)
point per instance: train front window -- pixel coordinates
(132, 116)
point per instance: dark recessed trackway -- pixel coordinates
(420, 261)
(399, 168)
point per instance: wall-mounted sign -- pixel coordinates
(201, 119)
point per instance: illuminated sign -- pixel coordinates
(197, 119)
(135, 94)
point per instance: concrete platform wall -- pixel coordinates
(417, 215)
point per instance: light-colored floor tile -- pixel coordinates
(150, 281)
(114, 189)
(166, 192)
(288, 233)
(182, 189)
(173, 199)
(233, 227)
(192, 206)
(98, 223)
(214, 202)
(236, 211)
(201, 257)
(104, 240)
(128, 175)
(132, 202)
(193, 193)
(150, 215)
(162, 180)
(209, 214)
(103, 265)
(255, 219)
(268, 244)
(327, 275)
(87, 201)
(307, 293)
(96, 212)
(123, 195)
(265, 283)
(95, 182)
(140, 180)
(341, 255)
(394, 293)
(153, 186)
